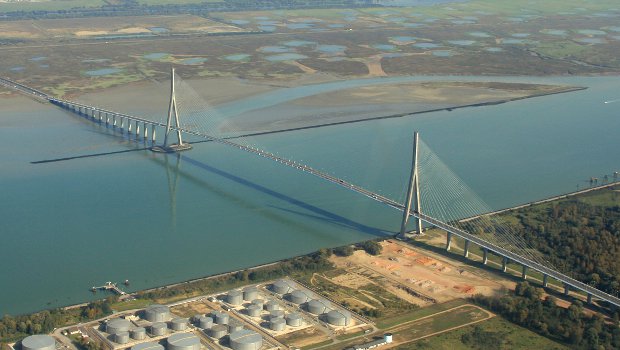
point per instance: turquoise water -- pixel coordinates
(238, 57)
(480, 34)
(426, 45)
(591, 40)
(443, 53)
(156, 56)
(103, 71)
(285, 57)
(462, 42)
(298, 43)
(520, 35)
(267, 28)
(159, 30)
(558, 32)
(194, 60)
(331, 48)
(155, 219)
(493, 49)
(275, 49)
(403, 39)
(299, 25)
(591, 32)
(38, 58)
(384, 47)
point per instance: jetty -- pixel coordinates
(111, 287)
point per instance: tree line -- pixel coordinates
(570, 326)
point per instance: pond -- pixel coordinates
(558, 32)
(591, 32)
(103, 71)
(285, 57)
(38, 58)
(384, 47)
(156, 56)
(462, 42)
(443, 53)
(237, 57)
(159, 30)
(591, 40)
(298, 43)
(426, 45)
(275, 49)
(480, 34)
(493, 49)
(193, 60)
(331, 48)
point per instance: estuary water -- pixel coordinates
(158, 219)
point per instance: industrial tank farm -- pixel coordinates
(39, 342)
(249, 318)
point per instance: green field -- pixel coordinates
(50, 5)
(512, 337)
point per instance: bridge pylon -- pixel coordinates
(173, 110)
(413, 193)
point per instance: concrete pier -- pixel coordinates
(524, 272)
(566, 289)
(153, 134)
(545, 282)
(449, 241)
(485, 256)
(589, 300)
(504, 263)
(466, 249)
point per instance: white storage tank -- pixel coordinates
(387, 337)
(138, 333)
(234, 297)
(272, 305)
(157, 313)
(218, 331)
(282, 287)
(318, 307)
(277, 324)
(294, 319)
(339, 318)
(234, 326)
(298, 297)
(205, 322)
(183, 341)
(147, 346)
(250, 293)
(276, 314)
(221, 317)
(158, 328)
(39, 342)
(121, 337)
(117, 325)
(254, 310)
(178, 324)
(245, 340)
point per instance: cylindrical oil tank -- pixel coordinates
(39, 342)
(294, 319)
(317, 306)
(254, 310)
(218, 331)
(276, 314)
(158, 328)
(138, 333)
(183, 341)
(234, 297)
(298, 297)
(157, 313)
(272, 305)
(250, 293)
(221, 317)
(121, 337)
(178, 324)
(117, 325)
(148, 346)
(205, 322)
(234, 326)
(281, 287)
(277, 324)
(259, 302)
(245, 340)
(339, 317)
(196, 318)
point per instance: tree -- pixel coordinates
(346, 250)
(372, 247)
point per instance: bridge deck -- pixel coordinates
(340, 182)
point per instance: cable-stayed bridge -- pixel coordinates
(442, 204)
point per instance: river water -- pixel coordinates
(158, 219)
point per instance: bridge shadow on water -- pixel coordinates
(321, 214)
